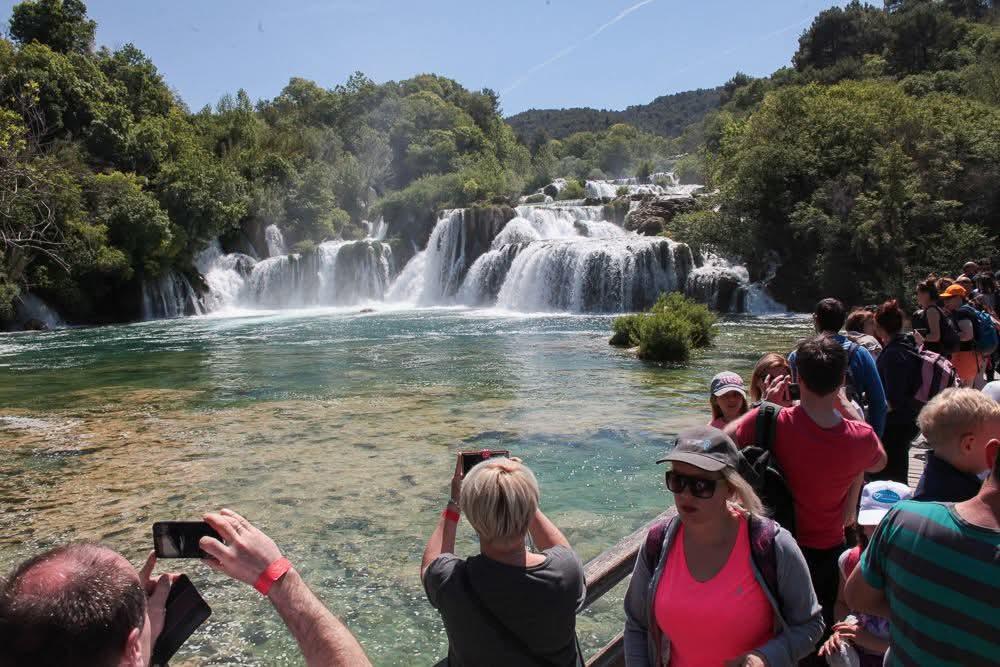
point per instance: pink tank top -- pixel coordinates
(716, 620)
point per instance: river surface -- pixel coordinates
(336, 433)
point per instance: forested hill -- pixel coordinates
(666, 116)
(869, 162)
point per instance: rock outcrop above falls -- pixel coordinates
(653, 214)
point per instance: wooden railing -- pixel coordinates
(607, 571)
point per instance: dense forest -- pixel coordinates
(107, 179)
(666, 116)
(872, 160)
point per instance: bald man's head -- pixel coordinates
(74, 605)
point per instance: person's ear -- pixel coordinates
(992, 452)
(967, 442)
(132, 655)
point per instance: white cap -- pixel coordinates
(992, 389)
(877, 498)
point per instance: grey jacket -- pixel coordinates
(797, 614)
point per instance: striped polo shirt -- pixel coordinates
(941, 576)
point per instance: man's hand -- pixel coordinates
(247, 551)
(748, 660)
(842, 632)
(157, 590)
(776, 391)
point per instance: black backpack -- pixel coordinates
(854, 393)
(761, 469)
(950, 341)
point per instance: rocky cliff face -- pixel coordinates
(653, 214)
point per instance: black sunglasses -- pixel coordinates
(699, 486)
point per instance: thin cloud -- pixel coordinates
(573, 47)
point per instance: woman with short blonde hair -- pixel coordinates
(507, 605)
(500, 497)
(770, 367)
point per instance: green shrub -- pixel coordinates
(622, 191)
(626, 331)
(574, 190)
(701, 318)
(665, 337)
(668, 331)
(536, 198)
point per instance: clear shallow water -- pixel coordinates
(336, 432)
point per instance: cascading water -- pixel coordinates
(566, 258)
(170, 295)
(275, 241)
(335, 273)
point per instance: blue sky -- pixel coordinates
(536, 53)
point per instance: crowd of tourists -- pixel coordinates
(796, 539)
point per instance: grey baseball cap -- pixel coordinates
(704, 447)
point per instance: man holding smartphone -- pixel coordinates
(84, 605)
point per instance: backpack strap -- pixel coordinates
(766, 425)
(654, 543)
(762, 531)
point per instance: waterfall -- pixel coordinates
(170, 295)
(335, 273)
(563, 257)
(275, 241)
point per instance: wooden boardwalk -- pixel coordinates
(917, 457)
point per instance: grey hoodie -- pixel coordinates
(797, 614)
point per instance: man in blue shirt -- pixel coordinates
(862, 374)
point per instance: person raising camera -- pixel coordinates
(507, 605)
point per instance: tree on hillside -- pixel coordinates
(837, 34)
(61, 25)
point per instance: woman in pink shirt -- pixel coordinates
(719, 585)
(728, 398)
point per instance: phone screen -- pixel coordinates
(470, 459)
(793, 391)
(186, 610)
(179, 539)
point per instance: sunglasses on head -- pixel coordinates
(699, 486)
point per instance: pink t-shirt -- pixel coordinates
(819, 465)
(716, 620)
(719, 423)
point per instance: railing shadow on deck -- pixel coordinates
(605, 572)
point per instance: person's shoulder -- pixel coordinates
(441, 568)
(859, 431)
(561, 555)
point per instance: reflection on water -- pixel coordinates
(335, 432)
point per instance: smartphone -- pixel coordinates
(470, 459)
(186, 610)
(793, 391)
(179, 539)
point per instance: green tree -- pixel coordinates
(60, 24)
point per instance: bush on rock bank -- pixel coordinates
(668, 331)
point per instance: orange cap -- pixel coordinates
(953, 290)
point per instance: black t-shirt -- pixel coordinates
(536, 604)
(957, 316)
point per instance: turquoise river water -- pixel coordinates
(336, 432)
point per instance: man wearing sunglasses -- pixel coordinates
(822, 456)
